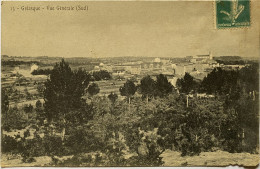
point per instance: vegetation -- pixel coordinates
(163, 86)
(17, 63)
(230, 60)
(135, 131)
(93, 89)
(187, 84)
(63, 96)
(147, 87)
(128, 90)
(101, 75)
(41, 72)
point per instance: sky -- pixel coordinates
(112, 29)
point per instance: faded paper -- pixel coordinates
(120, 111)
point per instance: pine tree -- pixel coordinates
(128, 90)
(93, 89)
(147, 87)
(63, 94)
(163, 86)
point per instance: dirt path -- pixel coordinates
(218, 158)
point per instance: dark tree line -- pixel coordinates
(187, 84)
(148, 87)
(222, 82)
(17, 63)
(42, 72)
(101, 75)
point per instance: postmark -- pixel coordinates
(232, 13)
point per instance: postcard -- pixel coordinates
(130, 83)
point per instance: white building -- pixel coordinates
(173, 81)
(34, 67)
(157, 60)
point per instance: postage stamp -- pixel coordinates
(232, 13)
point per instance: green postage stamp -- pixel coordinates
(232, 13)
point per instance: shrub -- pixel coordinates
(8, 144)
(80, 160)
(15, 119)
(53, 145)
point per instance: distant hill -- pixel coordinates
(234, 60)
(228, 58)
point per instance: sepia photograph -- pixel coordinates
(130, 84)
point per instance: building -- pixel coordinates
(135, 70)
(118, 71)
(208, 56)
(34, 67)
(157, 60)
(173, 81)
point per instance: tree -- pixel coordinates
(4, 102)
(16, 119)
(63, 95)
(40, 89)
(93, 89)
(101, 75)
(163, 86)
(27, 94)
(40, 115)
(41, 72)
(128, 90)
(220, 81)
(19, 80)
(28, 108)
(186, 84)
(147, 87)
(112, 97)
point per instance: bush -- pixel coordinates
(82, 139)
(53, 145)
(15, 119)
(42, 72)
(8, 144)
(101, 75)
(145, 144)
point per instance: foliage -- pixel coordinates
(82, 160)
(14, 119)
(40, 114)
(17, 63)
(163, 86)
(28, 108)
(112, 97)
(249, 77)
(147, 87)
(128, 89)
(229, 121)
(4, 101)
(230, 60)
(82, 139)
(8, 144)
(220, 81)
(186, 84)
(63, 96)
(41, 72)
(101, 75)
(93, 89)
(40, 89)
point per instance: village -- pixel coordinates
(19, 78)
(24, 81)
